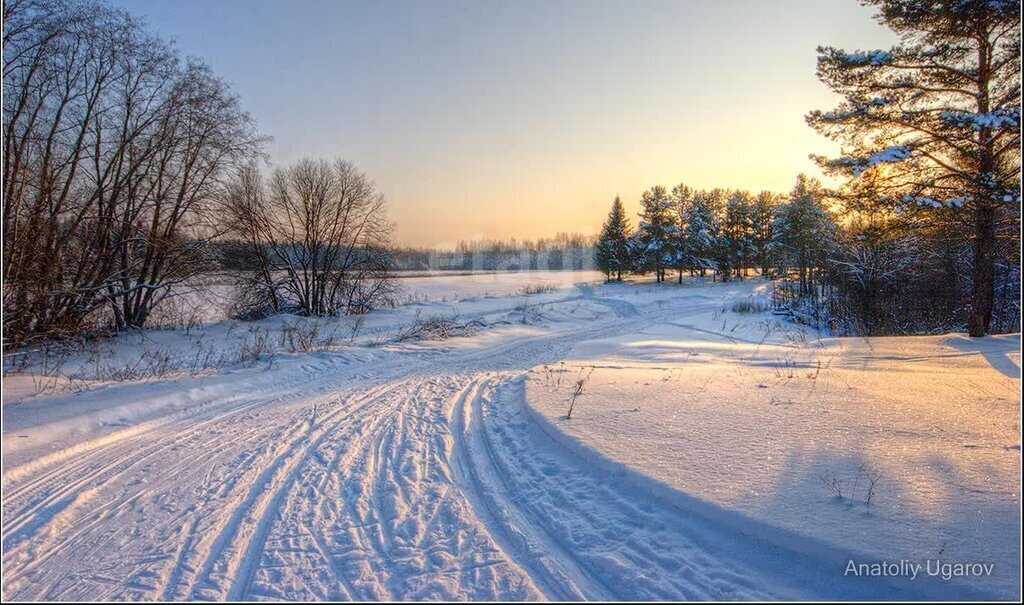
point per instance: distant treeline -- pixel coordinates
(564, 251)
(571, 252)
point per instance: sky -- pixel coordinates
(522, 118)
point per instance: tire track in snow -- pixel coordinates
(129, 460)
(167, 432)
(526, 544)
(23, 523)
(392, 525)
(54, 517)
(72, 469)
(255, 546)
(626, 543)
(198, 410)
(394, 529)
(262, 501)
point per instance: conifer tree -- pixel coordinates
(613, 250)
(737, 232)
(700, 232)
(941, 112)
(656, 231)
(803, 230)
(682, 199)
(762, 211)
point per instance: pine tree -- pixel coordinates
(700, 232)
(941, 112)
(737, 231)
(717, 199)
(803, 230)
(656, 231)
(682, 199)
(637, 253)
(613, 250)
(762, 211)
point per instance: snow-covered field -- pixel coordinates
(210, 299)
(712, 454)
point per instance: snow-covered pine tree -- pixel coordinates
(700, 231)
(941, 112)
(682, 199)
(803, 231)
(637, 253)
(613, 251)
(737, 231)
(656, 230)
(720, 249)
(762, 211)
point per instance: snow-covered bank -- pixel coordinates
(382, 468)
(875, 449)
(216, 343)
(208, 299)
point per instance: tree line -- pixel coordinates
(686, 230)
(727, 232)
(572, 251)
(841, 258)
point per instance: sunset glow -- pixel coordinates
(462, 110)
(511, 301)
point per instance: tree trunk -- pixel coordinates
(983, 283)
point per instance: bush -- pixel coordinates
(751, 305)
(437, 327)
(530, 289)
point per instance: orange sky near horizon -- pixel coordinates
(522, 119)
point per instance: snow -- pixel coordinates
(956, 202)
(889, 155)
(753, 417)
(369, 468)
(209, 301)
(855, 109)
(999, 118)
(858, 57)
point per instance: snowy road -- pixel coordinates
(418, 477)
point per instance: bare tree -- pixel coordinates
(319, 237)
(112, 147)
(202, 133)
